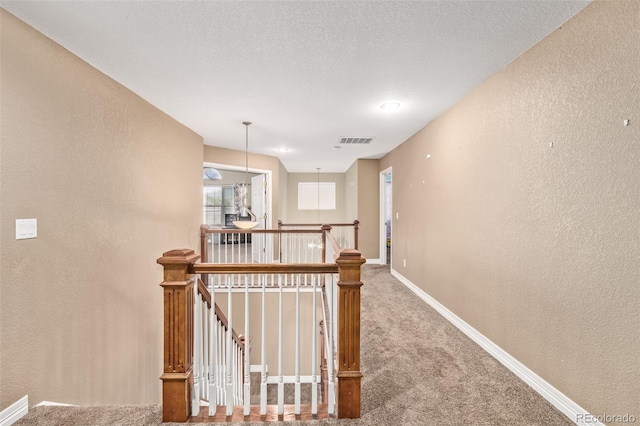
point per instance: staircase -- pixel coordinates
(206, 360)
(272, 399)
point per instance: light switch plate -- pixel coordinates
(26, 228)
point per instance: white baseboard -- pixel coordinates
(374, 261)
(54, 404)
(559, 400)
(256, 368)
(15, 411)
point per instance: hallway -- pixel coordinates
(418, 370)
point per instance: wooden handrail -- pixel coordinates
(265, 268)
(335, 245)
(207, 230)
(204, 291)
(317, 224)
(355, 224)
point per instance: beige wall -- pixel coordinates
(311, 216)
(113, 182)
(283, 193)
(369, 208)
(537, 247)
(362, 195)
(351, 192)
(213, 154)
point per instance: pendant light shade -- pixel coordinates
(245, 224)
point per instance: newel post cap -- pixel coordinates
(178, 257)
(351, 256)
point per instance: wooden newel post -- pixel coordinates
(356, 226)
(325, 229)
(177, 378)
(204, 250)
(349, 374)
(203, 243)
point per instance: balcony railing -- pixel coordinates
(206, 360)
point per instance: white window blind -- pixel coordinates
(312, 193)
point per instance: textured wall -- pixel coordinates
(283, 193)
(113, 182)
(369, 208)
(363, 203)
(351, 192)
(538, 247)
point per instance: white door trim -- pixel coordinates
(383, 210)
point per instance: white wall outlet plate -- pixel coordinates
(26, 228)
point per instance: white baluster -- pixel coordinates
(247, 361)
(263, 354)
(197, 343)
(222, 362)
(234, 363)
(205, 355)
(331, 336)
(280, 351)
(229, 363)
(297, 361)
(239, 376)
(213, 358)
(226, 247)
(314, 344)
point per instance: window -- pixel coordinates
(217, 201)
(316, 195)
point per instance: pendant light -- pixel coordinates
(245, 224)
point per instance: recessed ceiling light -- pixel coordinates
(282, 149)
(389, 106)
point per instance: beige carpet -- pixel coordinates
(418, 370)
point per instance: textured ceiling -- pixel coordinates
(306, 73)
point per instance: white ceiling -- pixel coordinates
(304, 72)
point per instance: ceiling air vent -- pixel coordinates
(355, 141)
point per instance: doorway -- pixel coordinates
(260, 202)
(386, 208)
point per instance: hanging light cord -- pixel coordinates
(246, 152)
(246, 172)
(318, 194)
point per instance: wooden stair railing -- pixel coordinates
(355, 224)
(177, 378)
(179, 284)
(202, 367)
(214, 244)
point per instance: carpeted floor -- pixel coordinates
(418, 370)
